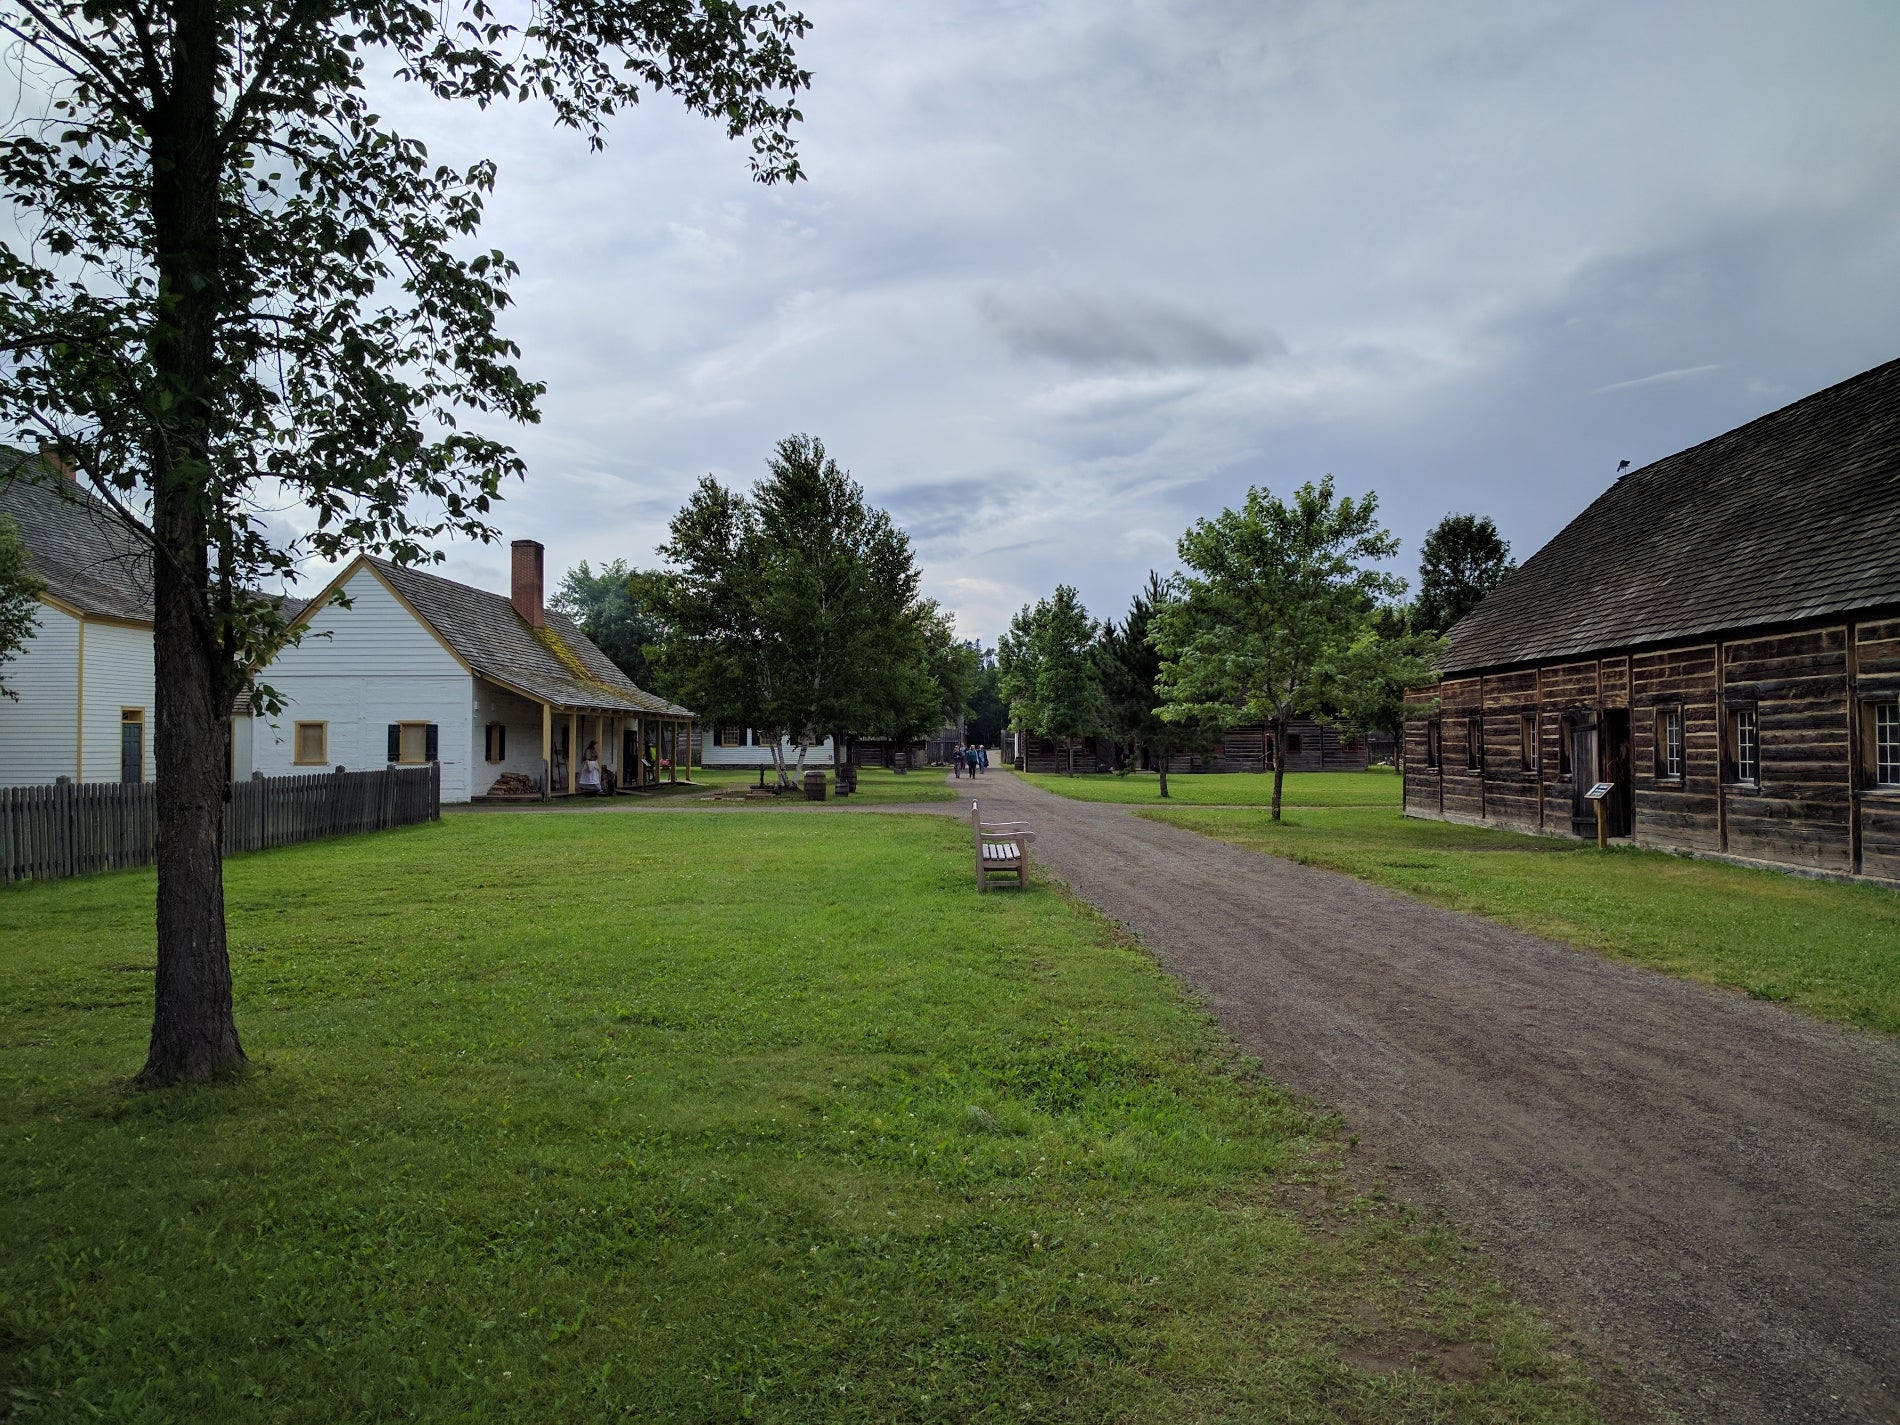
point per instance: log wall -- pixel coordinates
(1814, 805)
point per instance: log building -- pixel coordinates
(1717, 637)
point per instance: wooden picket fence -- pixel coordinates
(47, 833)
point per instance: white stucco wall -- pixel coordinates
(753, 755)
(241, 747)
(522, 717)
(118, 673)
(377, 665)
(39, 730)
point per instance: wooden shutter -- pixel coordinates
(431, 745)
(395, 742)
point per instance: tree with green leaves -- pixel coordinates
(1387, 662)
(989, 714)
(241, 288)
(794, 608)
(1047, 670)
(1462, 559)
(20, 590)
(935, 673)
(1129, 668)
(1277, 597)
(604, 606)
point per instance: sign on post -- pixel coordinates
(1595, 797)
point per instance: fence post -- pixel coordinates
(63, 825)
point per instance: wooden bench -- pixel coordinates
(1002, 851)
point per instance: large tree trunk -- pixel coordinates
(194, 1035)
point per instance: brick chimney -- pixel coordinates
(526, 593)
(53, 460)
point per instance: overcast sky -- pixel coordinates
(1067, 275)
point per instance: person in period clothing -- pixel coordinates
(589, 779)
(957, 762)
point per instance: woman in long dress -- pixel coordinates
(590, 770)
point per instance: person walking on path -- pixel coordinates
(982, 758)
(957, 763)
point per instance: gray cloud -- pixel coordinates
(1067, 276)
(1098, 333)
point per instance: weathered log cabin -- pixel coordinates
(1717, 637)
(1310, 747)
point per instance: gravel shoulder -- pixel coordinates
(1704, 1185)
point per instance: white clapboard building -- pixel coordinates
(502, 691)
(83, 683)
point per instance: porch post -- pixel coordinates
(547, 751)
(573, 748)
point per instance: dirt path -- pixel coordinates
(1706, 1185)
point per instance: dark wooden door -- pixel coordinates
(1619, 806)
(1582, 729)
(132, 750)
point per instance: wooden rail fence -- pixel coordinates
(47, 833)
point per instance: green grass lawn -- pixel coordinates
(1378, 787)
(692, 1118)
(1832, 949)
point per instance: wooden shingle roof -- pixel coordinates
(494, 640)
(87, 557)
(1791, 517)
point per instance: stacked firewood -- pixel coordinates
(514, 784)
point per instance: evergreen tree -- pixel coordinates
(1130, 670)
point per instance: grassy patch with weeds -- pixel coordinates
(877, 786)
(691, 1118)
(1831, 949)
(1377, 787)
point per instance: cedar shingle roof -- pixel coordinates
(1790, 517)
(86, 555)
(484, 629)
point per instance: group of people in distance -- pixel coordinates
(972, 759)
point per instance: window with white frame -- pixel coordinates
(1744, 744)
(1884, 742)
(1669, 743)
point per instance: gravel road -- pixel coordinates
(1705, 1186)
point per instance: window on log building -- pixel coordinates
(1883, 742)
(1744, 744)
(1669, 743)
(1527, 741)
(1474, 743)
(1434, 743)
